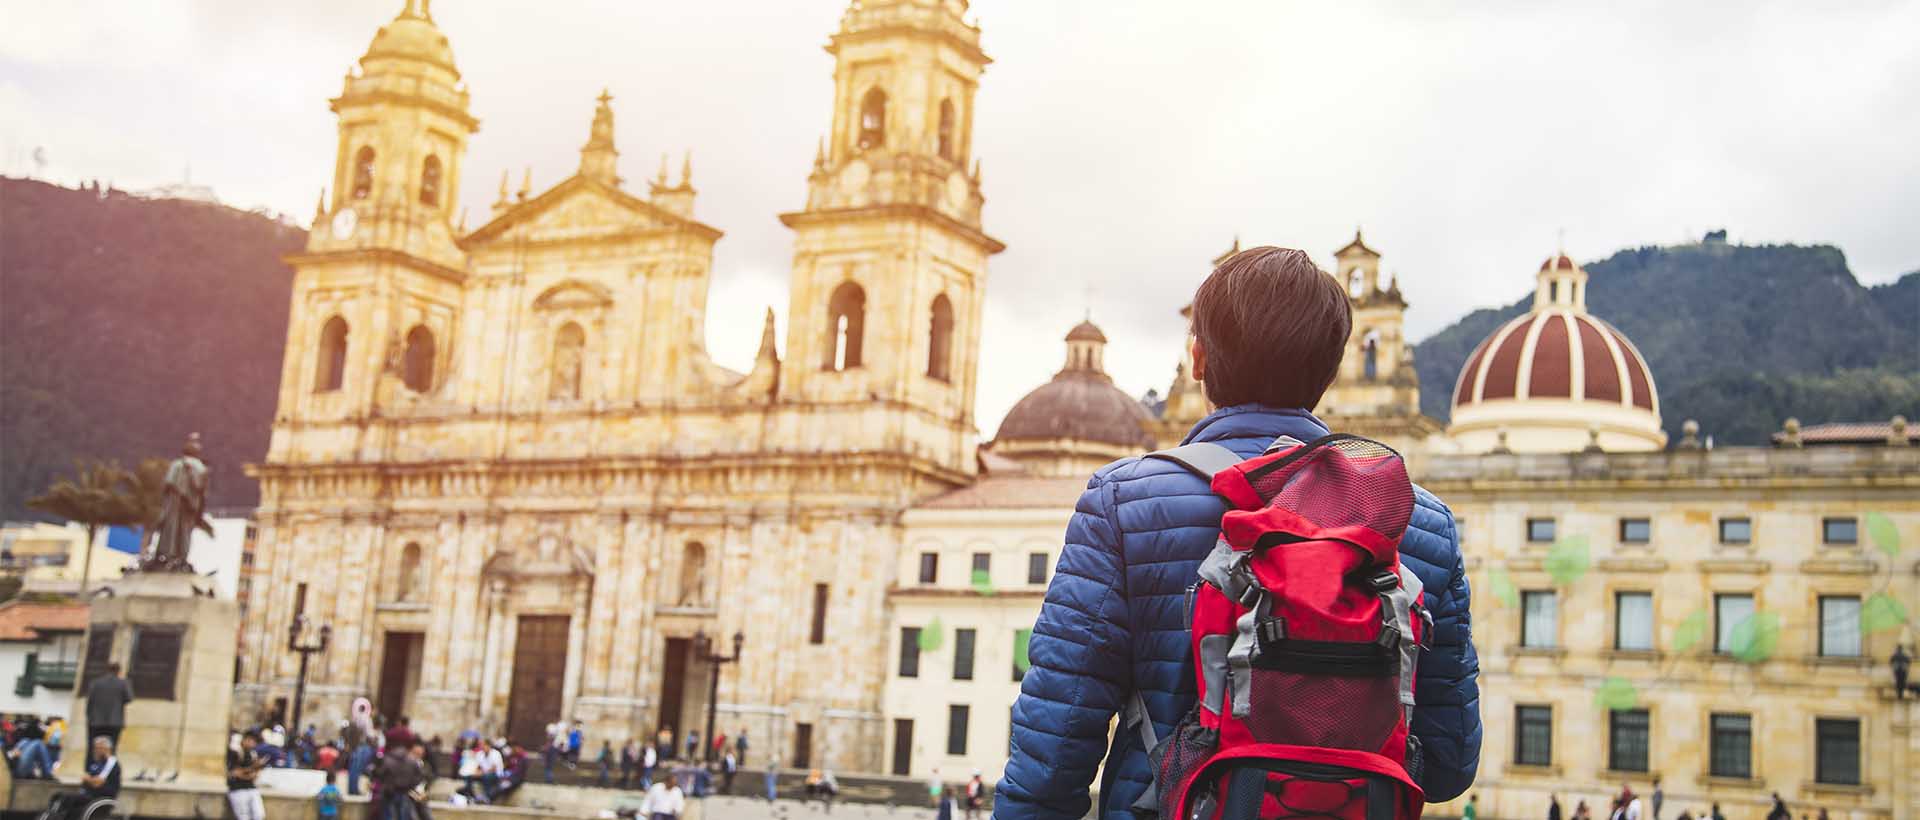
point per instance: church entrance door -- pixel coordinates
(539, 678)
(399, 672)
(673, 689)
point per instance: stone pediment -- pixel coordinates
(549, 556)
(580, 209)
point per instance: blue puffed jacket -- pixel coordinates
(1112, 623)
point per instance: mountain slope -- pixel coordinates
(126, 324)
(1739, 337)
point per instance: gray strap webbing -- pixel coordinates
(1137, 715)
(1246, 644)
(1399, 607)
(1202, 458)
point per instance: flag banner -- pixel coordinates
(125, 539)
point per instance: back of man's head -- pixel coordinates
(1272, 329)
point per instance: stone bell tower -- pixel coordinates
(889, 267)
(376, 293)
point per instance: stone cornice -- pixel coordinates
(358, 98)
(387, 255)
(797, 219)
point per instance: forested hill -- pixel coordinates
(1739, 337)
(126, 324)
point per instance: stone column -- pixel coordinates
(495, 606)
(576, 643)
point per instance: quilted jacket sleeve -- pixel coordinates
(1078, 675)
(1446, 715)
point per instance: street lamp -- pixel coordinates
(295, 632)
(703, 648)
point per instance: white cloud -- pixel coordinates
(1125, 143)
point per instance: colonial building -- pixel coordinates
(505, 470)
(1715, 617)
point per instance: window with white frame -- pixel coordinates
(1633, 621)
(1539, 619)
(1840, 626)
(1729, 610)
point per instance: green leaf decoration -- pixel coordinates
(1691, 631)
(1568, 560)
(1617, 694)
(1881, 531)
(932, 636)
(1755, 637)
(1022, 638)
(1881, 613)
(982, 582)
(1503, 589)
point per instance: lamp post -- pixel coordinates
(294, 633)
(703, 648)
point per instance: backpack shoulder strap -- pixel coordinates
(1202, 458)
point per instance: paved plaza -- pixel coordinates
(744, 808)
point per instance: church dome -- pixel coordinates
(1556, 379)
(412, 36)
(1077, 421)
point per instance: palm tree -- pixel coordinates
(100, 493)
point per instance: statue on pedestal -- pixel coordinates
(182, 510)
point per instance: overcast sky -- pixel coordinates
(1125, 142)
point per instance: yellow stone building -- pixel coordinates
(505, 470)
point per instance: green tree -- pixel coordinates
(103, 493)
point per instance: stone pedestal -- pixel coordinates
(176, 646)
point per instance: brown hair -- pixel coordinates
(1273, 327)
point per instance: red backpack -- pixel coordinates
(1306, 631)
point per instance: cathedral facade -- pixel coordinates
(505, 471)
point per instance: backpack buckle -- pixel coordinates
(1271, 631)
(1385, 580)
(1248, 590)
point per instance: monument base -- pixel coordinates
(176, 644)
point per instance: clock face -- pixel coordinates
(344, 221)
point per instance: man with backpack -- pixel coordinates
(1330, 613)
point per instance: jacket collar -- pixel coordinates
(1256, 421)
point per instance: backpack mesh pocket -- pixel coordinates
(1331, 711)
(1178, 757)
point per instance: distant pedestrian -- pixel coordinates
(740, 745)
(730, 766)
(1553, 807)
(693, 744)
(606, 761)
(1779, 810)
(629, 761)
(772, 778)
(576, 740)
(663, 743)
(1902, 662)
(107, 699)
(1473, 808)
(1716, 815)
(326, 803)
(975, 795)
(943, 805)
(1659, 798)
(1581, 812)
(664, 801)
(649, 758)
(243, 772)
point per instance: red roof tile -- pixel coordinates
(29, 620)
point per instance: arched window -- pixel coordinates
(430, 182)
(417, 370)
(873, 119)
(363, 172)
(1553, 292)
(1370, 367)
(331, 368)
(569, 354)
(693, 575)
(408, 583)
(940, 339)
(946, 129)
(1356, 284)
(846, 319)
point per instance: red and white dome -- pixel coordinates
(1556, 379)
